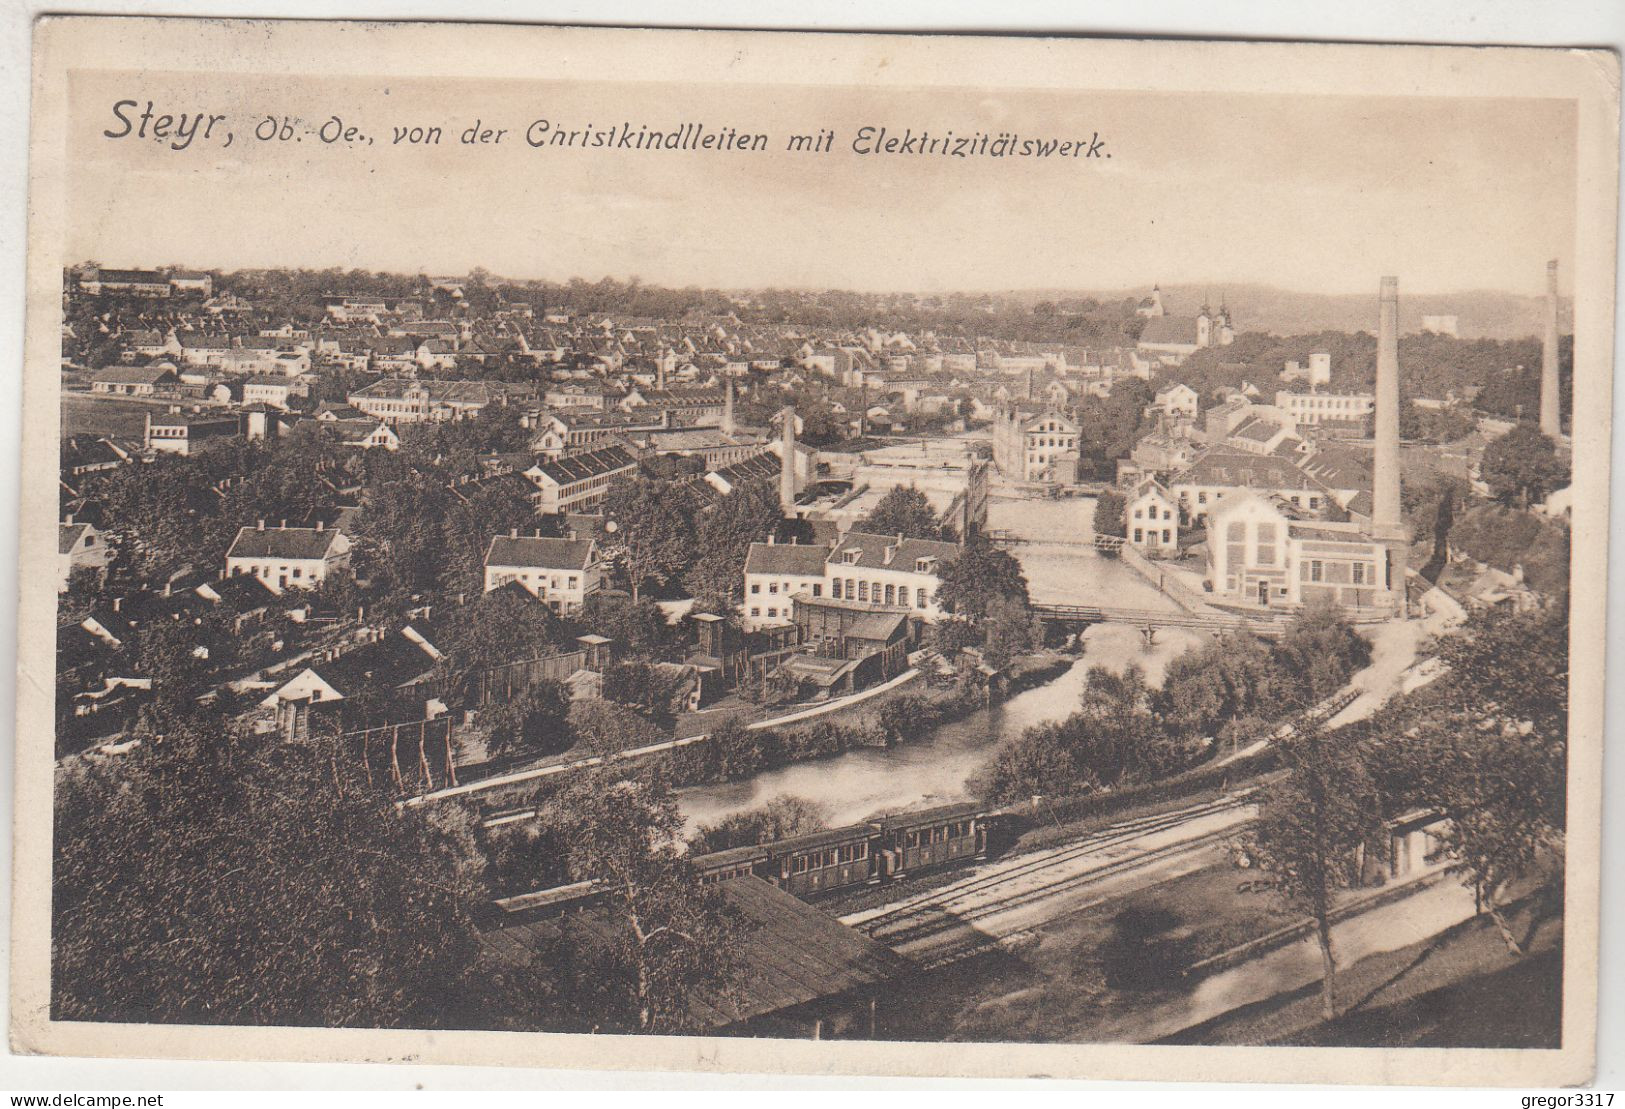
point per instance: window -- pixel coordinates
(1317, 570)
(296, 572)
(1138, 514)
(1359, 573)
(772, 587)
(891, 594)
(1201, 498)
(1236, 532)
(772, 613)
(755, 587)
(919, 598)
(1137, 536)
(818, 589)
(863, 591)
(755, 611)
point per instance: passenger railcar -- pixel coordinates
(877, 850)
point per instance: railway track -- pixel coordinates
(974, 898)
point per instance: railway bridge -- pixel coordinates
(1106, 544)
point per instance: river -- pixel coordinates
(935, 769)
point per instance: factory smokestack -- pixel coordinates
(787, 460)
(728, 408)
(1551, 413)
(1388, 524)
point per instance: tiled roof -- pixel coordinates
(872, 550)
(804, 559)
(539, 552)
(588, 464)
(288, 543)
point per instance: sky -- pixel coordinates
(1313, 194)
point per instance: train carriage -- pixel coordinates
(932, 837)
(822, 861)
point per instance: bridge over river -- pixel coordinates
(1149, 620)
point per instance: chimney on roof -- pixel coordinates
(513, 533)
(118, 603)
(259, 525)
(69, 520)
(1551, 414)
(321, 525)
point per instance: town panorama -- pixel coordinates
(473, 653)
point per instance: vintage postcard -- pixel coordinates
(867, 554)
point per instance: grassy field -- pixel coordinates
(86, 415)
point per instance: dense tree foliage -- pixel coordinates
(653, 533)
(976, 577)
(671, 935)
(902, 511)
(1522, 467)
(1311, 825)
(221, 877)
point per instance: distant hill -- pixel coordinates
(1480, 314)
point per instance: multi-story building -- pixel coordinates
(1262, 551)
(184, 432)
(1152, 519)
(888, 571)
(562, 573)
(286, 558)
(579, 482)
(404, 400)
(78, 544)
(774, 574)
(1316, 408)
(1033, 445)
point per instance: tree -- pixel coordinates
(976, 576)
(1312, 823)
(1008, 630)
(639, 628)
(1320, 651)
(745, 516)
(1110, 514)
(780, 818)
(605, 728)
(1487, 747)
(902, 511)
(222, 877)
(672, 934)
(652, 531)
(530, 722)
(1522, 467)
(502, 626)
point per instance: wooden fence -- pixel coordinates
(502, 683)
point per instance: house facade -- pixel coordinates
(561, 573)
(286, 558)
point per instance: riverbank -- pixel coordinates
(903, 713)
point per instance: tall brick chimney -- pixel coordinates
(1551, 414)
(1387, 519)
(787, 460)
(728, 407)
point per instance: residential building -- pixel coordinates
(561, 573)
(774, 574)
(888, 571)
(1152, 518)
(1033, 445)
(288, 558)
(78, 544)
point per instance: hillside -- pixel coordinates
(1482, 314)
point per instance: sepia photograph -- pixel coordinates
(876, 554)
